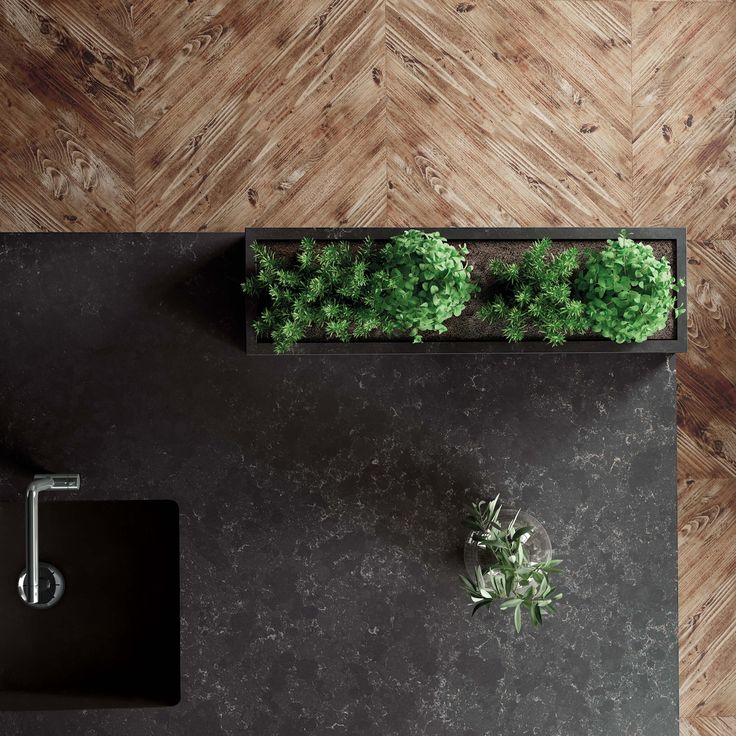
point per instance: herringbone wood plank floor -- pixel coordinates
(217, 115)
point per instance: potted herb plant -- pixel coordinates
(627, 292)
(537, 292)
(413, 284)
(508, 558)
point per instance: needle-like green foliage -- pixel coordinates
(537, 293)
(511, 579)
(422, 282)
(628, 292)
(328, 287)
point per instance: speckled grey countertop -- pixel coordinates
(321, 501)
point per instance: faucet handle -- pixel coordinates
(57, 482)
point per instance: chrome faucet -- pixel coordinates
(41, 585)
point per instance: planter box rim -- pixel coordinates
(499, 347)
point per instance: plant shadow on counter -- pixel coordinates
(208, 293)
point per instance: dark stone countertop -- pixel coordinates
(321, 501)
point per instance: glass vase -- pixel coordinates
(536, 543)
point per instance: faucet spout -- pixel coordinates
(29, 585)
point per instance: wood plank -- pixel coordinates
(68, 139)
(707, 372)
(470, 106)
(708, 726)
(684, 116)
(707, 596)
(291, 134)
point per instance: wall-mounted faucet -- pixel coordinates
(41, 585)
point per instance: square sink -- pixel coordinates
(112, 640)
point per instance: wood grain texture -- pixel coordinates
(708, 727)
(707, 372)
(67, 138)
(684, 116)
(707, 594)
(214, 116)
(488, 126)
(288, 110)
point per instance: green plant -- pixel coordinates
(537, 292)
(513, 579)
(627, 291)
(327, 287)
(422, 282)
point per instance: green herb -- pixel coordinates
(422, 282)
(537, 293)
(628, 293)
(327, 287)
(514, 580)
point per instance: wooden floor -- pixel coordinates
(195, 115)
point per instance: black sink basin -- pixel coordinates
(113, 638)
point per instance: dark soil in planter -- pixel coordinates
(467, 327)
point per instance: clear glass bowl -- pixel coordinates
(537, 546)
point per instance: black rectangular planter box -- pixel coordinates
(558, 234)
